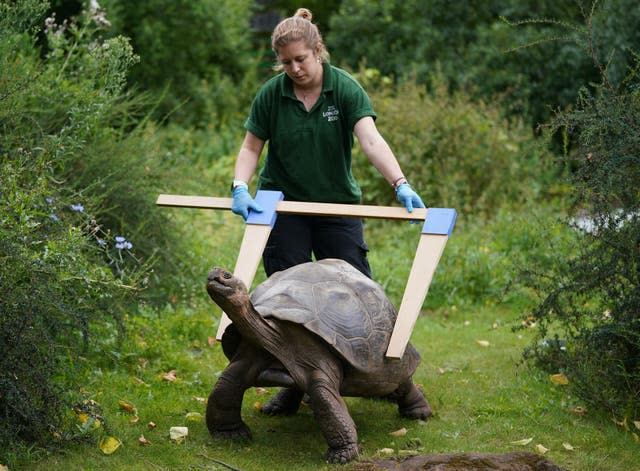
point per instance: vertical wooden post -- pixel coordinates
(255, 238)
(435, 233)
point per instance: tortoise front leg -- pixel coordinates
(333, 417)
(223, 416)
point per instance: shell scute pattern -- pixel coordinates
(351, 313)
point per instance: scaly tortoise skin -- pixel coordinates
(320, 328)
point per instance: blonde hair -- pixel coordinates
(299, 28)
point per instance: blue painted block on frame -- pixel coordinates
(269, 201)
(440, 221)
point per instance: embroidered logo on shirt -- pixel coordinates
(331, 114)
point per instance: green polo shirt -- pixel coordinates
(309, 153)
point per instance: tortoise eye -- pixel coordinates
(226, 275)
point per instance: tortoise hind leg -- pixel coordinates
(285, 402)
(411, 402)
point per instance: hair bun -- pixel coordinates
(304, 13)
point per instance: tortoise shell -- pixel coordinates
(332, 299)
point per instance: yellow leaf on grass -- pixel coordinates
(637, 424)
(109, 444)
(386, 451)
(399, 433)
(483, 343)
(568, 446)
(194, 416)
(559, 379)
(3, 468)
(143, 441)
(524, 441)
(134, 419)
(127, 406)
(151, 425)
(540, 449)
(257, 405)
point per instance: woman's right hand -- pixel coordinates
(243, 202)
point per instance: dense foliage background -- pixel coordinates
(496, 108)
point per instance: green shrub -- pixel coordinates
(591, 298)
(197, 55)
(79, 230)
(456, 152)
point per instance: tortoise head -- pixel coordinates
(225, 289)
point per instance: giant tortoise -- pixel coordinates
(321, 329)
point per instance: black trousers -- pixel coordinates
(294, 239)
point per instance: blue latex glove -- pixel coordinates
(243, 202)
(408, 197)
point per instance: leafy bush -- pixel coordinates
(79, 229)
(591, 299)
(456, 152)
(197, 55)
(469, 43)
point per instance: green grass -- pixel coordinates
(483, 398)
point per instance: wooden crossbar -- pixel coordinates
(438, 225)
(299, 207)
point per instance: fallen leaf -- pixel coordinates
(257, 405)
(170, 376)
(399, 433)
(178, 434)
(408, 452)
(211, 341)
(559, 379)
(127, 406)
(578, 410)
(151, 425)
(194, 416)
(540, 449)
(442, 371)
(83, 417)
(134, 419)
(108, 445)
(483, 343)
(143, 441)
(637, 424)
(524, 441)
(635, 437)
(622, 423)
(4, 468)
(262, 390)
(140, 382)
(386, 451)
(199, 399)
(568, 446)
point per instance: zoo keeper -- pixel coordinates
(309, 114)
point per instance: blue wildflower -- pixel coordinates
(49, 199)
(54, 217)
(122, 243)
(77, 207)
(102, 242)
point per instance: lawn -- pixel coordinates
(484, 399)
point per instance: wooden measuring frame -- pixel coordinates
(438, 225)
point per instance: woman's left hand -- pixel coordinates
(408, 197)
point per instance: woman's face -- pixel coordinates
(301, 64)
